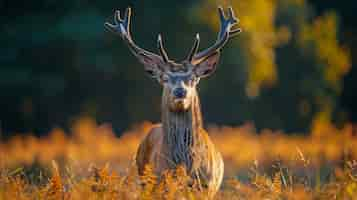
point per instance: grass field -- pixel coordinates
(91, 163)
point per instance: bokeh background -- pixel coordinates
(292, 66)
(281, 107)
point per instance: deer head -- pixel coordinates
(179, 79)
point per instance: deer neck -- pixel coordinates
(181, 131)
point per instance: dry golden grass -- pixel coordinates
(91, 163)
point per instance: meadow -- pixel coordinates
(90, 162)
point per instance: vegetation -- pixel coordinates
(90, 162)
(284, 70)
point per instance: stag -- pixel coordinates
(180, 139)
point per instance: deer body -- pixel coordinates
(180, 139)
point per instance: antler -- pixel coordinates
(122, 27)
(224, 34)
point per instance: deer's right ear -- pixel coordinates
(152, 64)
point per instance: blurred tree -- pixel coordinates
(293, 61)
(57, 62)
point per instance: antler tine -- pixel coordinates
(117, 17)
(235, 20)
(127, 19)
(194, 48)
(223, 36)
(122, 27)
(162, 51)
(231, 14)
(222, 19)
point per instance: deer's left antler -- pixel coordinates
(224, 34)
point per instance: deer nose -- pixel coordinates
(180, 92)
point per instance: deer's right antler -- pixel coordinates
(122, 27)
(224, 34)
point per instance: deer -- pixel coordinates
(180, 139)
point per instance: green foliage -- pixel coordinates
(291, 62)
(285, 68)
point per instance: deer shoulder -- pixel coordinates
(149, 147)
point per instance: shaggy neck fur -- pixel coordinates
(181, 133)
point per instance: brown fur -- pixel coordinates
(200, 157)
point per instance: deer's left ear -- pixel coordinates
(207, 66)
